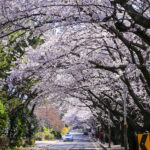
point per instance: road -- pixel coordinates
(81, 142)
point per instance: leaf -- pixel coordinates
(35, 41)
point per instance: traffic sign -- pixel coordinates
(144, 141)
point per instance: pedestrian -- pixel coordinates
(93, 133)
(101, 137)
(106, 138)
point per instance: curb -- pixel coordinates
(106, 148)
(103, 146)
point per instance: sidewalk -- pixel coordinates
(40, 145)
(113, 147)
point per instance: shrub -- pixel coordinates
(44, 136)
(3, 141)
(30, 141)
(22, 141)
(47, 130)
(49, 136)
(23, 124)
(57, 134)
(8, 148)
(39, 136)
(3, 118)
(64, 131)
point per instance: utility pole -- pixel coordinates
(125, 118)
(109, 129)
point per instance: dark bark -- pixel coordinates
(145, 85)
(109, 68)
(136, 99)
(143, 35)
(135, 15)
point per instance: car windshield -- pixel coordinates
(67, 135)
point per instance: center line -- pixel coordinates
(95, 146)
(71, 146)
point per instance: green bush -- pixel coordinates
(23, 125)
(3, 119)
(47, 130)
(39, 136)
(22, 141)
(44, 136)
(57, 134)
(49, 136)
(3, 141)
(8, 148)
(30, 141)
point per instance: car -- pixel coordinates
(67, 137)
(85, 132)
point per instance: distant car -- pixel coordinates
(67, 137)
(85, 132)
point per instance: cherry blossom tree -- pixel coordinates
(93, 49)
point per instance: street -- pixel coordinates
(80, 142)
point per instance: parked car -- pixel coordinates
(67, 137)
(85, 132)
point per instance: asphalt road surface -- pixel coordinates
(80, 142)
